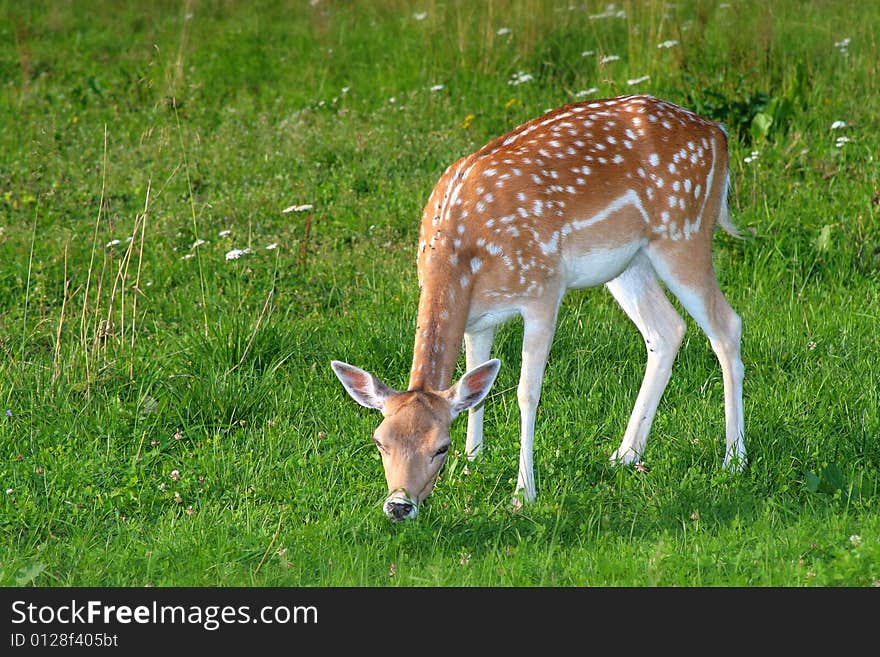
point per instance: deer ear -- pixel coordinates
(473, 387)
(363, 387)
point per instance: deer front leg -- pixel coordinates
(477, 349)
(538, 331)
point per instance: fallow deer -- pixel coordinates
(624, 192)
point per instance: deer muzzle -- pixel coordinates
(400, 506)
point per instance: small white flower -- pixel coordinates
(843, 44)
(235, 254)
(420, 16)
(610, 12)
(609, 58)
(112, 243)
(502, 31)
(586, 92)
(668, 44)
(175, 475)
(188, 256)
(297, 208)
(392, 100)
(225, 233)
(855, 540)
(837, 125)
(520, 77)
(198, 242)
(840, 141)
(751, 158)
(588, 53)
(437, 87)
(635, 81)
(272, 246)
(10, 491)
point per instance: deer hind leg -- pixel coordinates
(539, 326)
(643, 300)
(477, 350)
(691, 278)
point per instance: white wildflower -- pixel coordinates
(586, 92)
(345, 90)
(855, 540)
(840, 141)
(751, 158)
(112, 243)
(519, 77)
(197, 243)
(609, 58)
(225, 233)
(635, 81)
(671, 43)
(437, 87)
(10, 491)
(297, 208)
(588, 53)
(188, 256)
(235, 254)
(837, 125)
(610, 12)
(502, 31)
(420, 16)
(272, 246)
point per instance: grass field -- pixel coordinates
(169, 415)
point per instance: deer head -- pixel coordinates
(413, 438)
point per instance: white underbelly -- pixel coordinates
(597, 266)
(484, 316)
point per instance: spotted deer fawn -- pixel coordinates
(624, 192)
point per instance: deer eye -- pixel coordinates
(442, 450)
(379, 445)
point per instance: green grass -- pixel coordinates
(172, 416)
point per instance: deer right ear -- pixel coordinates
(363, 387)
(472, 387)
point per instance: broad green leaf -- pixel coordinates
(823, 241)
(29, 573)
(761, 126)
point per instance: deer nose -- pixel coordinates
(399, 510)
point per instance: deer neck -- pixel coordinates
(444, 299)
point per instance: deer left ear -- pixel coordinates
(364, 388)
(473, 387)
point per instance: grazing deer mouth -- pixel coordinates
(400, 506)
